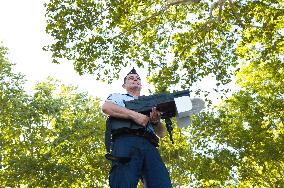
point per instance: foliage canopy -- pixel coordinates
(202, 37)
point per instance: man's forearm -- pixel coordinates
(116, 111)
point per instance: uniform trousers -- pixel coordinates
(145, 163)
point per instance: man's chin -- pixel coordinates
(136, 87)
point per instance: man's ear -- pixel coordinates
(123, 85)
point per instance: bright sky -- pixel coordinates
(22, 30)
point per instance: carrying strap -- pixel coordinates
(108, 138)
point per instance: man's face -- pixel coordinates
(132, 81)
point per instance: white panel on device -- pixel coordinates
(183, 106)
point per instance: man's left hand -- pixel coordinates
(155, 116)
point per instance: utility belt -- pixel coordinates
(151, 137)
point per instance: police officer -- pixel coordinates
(134, 140)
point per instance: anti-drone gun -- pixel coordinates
(177, 104)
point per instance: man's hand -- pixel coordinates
(140, 119)
(155, 119)
(155, 116)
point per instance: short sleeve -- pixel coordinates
(116, 98)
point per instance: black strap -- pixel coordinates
(122, 160)
(108, 136)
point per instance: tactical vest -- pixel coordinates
(113, 124)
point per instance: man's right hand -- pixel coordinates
(140, 119)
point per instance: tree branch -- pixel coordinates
(202, 29)
(237, 15)
(164, 9)
(150, 17)
(220, 10)
(220, 4)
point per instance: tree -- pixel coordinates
(205, 38)
(241, 142)
(13, 105)
(53, 138)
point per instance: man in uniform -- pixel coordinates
(134, 141)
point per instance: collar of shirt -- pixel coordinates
(135, 97)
